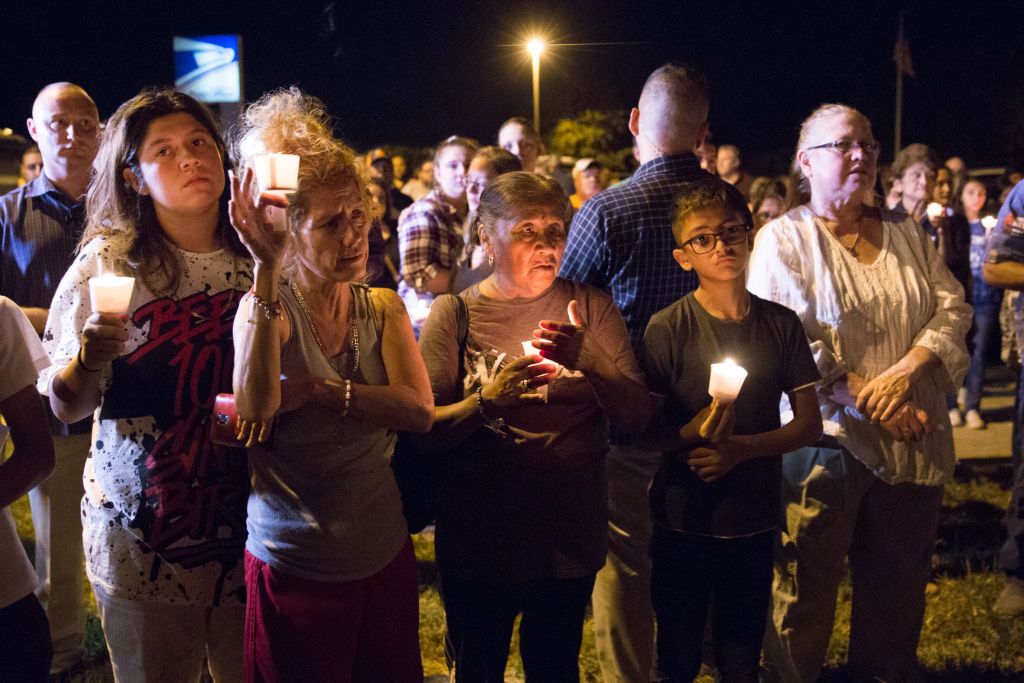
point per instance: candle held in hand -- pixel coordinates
(726, 380)
(111, 293)
(935, 210)
(988, 222)
(277, 172)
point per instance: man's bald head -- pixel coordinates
(60, 91)
(65, 124)
(673, 109)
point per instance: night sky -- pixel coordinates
(412, 73)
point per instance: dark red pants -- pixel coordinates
(303, 630)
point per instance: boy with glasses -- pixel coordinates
(715, 499)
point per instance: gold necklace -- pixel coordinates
(353, 331)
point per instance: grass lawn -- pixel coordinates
(961, 640)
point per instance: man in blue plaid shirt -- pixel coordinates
(621, 240)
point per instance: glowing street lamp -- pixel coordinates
(535, 46)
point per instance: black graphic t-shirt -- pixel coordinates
(164, 510)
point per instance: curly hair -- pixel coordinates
(287, 121)
(127, 218)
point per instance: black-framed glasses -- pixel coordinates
(846, 146)
(705, 242)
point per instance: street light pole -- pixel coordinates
(535, 47)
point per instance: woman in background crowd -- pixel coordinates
(489, 163)
(430, 238)
(985, 298)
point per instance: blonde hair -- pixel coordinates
(799, 188)
(126, 218)
(289, 122)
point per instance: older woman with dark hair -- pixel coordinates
(329, 567)
(886, 321)
(521, 511)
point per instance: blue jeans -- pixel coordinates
(986, 324)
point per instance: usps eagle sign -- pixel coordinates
(208, 67)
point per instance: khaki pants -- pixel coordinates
(152, 642)
(623, 616)
(834, 507)
(60, 562)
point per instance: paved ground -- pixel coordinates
(993, 442)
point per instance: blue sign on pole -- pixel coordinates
(209, 67)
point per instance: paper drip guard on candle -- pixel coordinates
(934, 210)
(111, 293)
(726, 380)
(988, 222)
(530, 350)
(277, 174)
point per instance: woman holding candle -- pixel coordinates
(164, 511)
(985, 298)
(330, 572)
(886, 321)
(430, 231)
(521, 499)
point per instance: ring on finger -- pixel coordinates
(524, 385)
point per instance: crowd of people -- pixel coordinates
(546, 349)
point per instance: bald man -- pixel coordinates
(621, 241)
(40, 225)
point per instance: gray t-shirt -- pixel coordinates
(324, 502)
(680, 344)
(508, 511)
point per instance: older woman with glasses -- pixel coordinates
(886, 321)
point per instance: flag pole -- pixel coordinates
(898, 134)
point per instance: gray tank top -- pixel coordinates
(324, 503)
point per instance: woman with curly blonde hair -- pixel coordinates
(326, 369)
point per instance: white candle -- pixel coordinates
(111, 293)
(935, 210)
(529, 350)
(726, 380)
(988, 222)
(277, 172)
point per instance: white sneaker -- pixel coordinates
(974, 419)
(955, 417)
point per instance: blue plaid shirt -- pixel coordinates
(621, 241)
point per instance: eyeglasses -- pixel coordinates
(847, 146)
(702, 244)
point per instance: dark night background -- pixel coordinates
(412, 73)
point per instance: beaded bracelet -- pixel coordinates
(348, 397)
(271, 309)
(496, 425)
